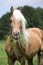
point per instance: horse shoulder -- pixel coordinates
(35, 35)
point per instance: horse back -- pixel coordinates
(36, 31)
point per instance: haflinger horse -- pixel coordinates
(23, 43)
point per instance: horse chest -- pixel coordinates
(15, 49)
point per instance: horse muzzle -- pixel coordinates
(16, 35)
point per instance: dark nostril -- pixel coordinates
(17, 33)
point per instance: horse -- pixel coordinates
(26, 40)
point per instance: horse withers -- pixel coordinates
(23, 43)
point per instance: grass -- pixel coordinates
(3, 56)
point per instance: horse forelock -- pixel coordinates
(19, 16)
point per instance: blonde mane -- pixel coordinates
(19, 16)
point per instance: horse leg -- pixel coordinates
(41, 58)
(22, 61)
(38, 58)
(30, 62)
(10, 61)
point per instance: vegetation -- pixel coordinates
(4, 25)
(3, 56)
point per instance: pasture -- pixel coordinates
(3, 56)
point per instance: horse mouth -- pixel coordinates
(16, 37)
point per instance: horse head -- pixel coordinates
(18, 23)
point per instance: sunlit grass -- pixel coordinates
(3, 57)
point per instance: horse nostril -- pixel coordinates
(17, 33)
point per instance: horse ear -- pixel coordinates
(11, 10)
(21, 9)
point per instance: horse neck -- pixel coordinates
(24, 33)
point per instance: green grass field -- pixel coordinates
(3, 56)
